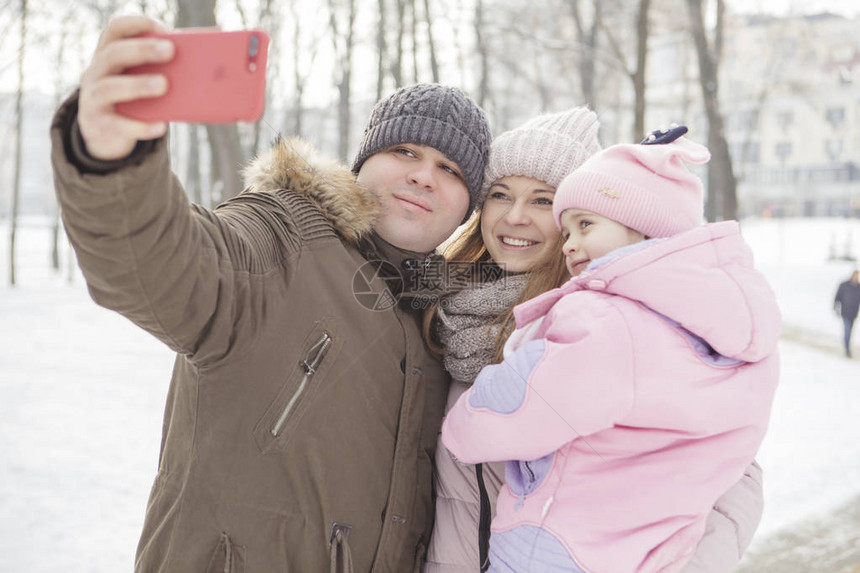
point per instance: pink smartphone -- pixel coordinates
(214, 77)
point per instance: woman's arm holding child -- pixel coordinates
(731, 525)
(576, 381)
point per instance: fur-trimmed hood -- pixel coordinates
(297, 165)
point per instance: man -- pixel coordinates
(846, 304)
(300, 423)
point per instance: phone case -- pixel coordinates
(214, 77)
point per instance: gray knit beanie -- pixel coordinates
(440, 117)
(546, 147)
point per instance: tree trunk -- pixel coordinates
(297, 70)
(588, 60)
(103, 10)
(722, 187)
(639, 73)
(346, 89)
(343, 114)
(344, 58)
(268, 20)
(304, 58)
(58, 95)
(543, 87)
(434, 64)
(484, 85)
(300, 106)
(19, 143)
(397, 66)
(380, 51)
(459, 50)
(588, 65)
(227, 159)
(192, 177)
(243, 19)
(414, 33)
(227, 155)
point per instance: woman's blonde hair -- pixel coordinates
(468, 247)
(546, 274)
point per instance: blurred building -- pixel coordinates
(790, 96)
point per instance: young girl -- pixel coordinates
(637, 392)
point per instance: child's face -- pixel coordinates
(588, 236)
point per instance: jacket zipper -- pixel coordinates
(531, 477)
(310, 364)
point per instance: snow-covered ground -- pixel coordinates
(811, 455)
(82, 393)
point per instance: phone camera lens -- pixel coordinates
(254, 47)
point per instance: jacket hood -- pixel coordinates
(703, 279)
(296, 165)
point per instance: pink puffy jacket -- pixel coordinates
(637, 401)
(730, 528)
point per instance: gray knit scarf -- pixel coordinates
(465, 324)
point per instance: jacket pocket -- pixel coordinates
(227, 557)
(281, 418)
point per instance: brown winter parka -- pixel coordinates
(301, 423)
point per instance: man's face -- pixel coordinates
(854, 277)
(423, 195)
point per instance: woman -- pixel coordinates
(514, 247)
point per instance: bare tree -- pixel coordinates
(58, 94)
(193, 175)
(722, 202)
(103, 10)
(269, 19)
(380, 50)
(19, 142)
(397, 64)
(483, 54)
(431, 44)
(243, 18)
(587, 37)
(227, 155)
(297, 71)
(413, 33)
(774, 75)
(458, 44)
(343, 44)
(637, 74)
(302, 67)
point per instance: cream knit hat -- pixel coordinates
(546, 147)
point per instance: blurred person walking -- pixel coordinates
(845, 304)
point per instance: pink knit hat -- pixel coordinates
(647, 188)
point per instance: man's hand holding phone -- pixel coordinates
(142, 77)
(107, 134)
